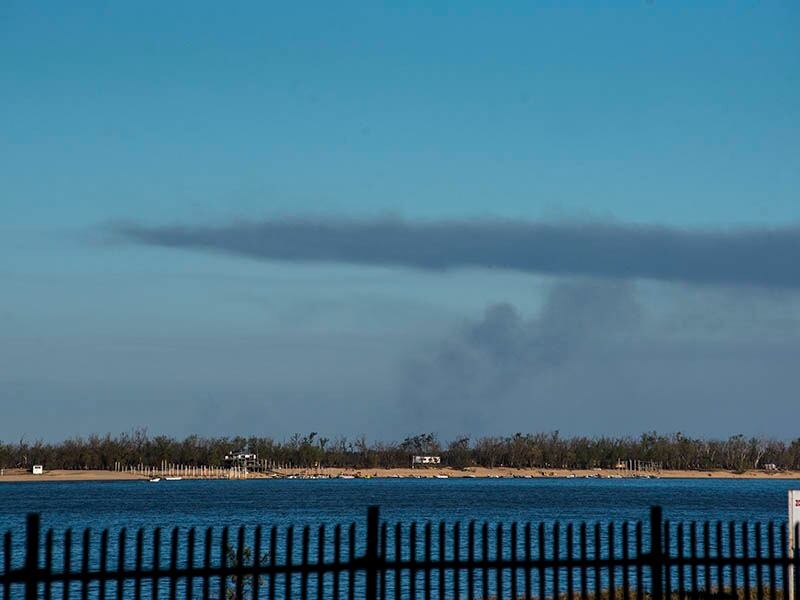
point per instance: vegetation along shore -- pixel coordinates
(137, 455)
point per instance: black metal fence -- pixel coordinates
(656, 561)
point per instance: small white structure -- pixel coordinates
(37, 469)
(244, 459)
(426, 460)
(240, 455)
(794, 525)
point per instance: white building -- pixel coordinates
(426, 460)
(38, 469)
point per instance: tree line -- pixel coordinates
(537, 450)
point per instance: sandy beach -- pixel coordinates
(19, 475)
(16, 475)
(506, 472)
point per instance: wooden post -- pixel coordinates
(656, 552)
(371, 557)
(33, 526)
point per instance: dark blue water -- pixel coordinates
(268, 502)
(215, 504)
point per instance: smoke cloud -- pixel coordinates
(754, 257)
(492, 363)
(598, 357)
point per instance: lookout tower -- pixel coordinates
(243, 459)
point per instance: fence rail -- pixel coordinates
(660, 561)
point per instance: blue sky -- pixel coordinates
(201, 114)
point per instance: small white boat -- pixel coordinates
(441, 477)
(155, 479)
(173, 478)
(347, 476)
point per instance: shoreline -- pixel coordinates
(21, 476)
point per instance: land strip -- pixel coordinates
(19, 475)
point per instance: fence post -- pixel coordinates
(656, 552)
(32, 528)
(371, 557)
